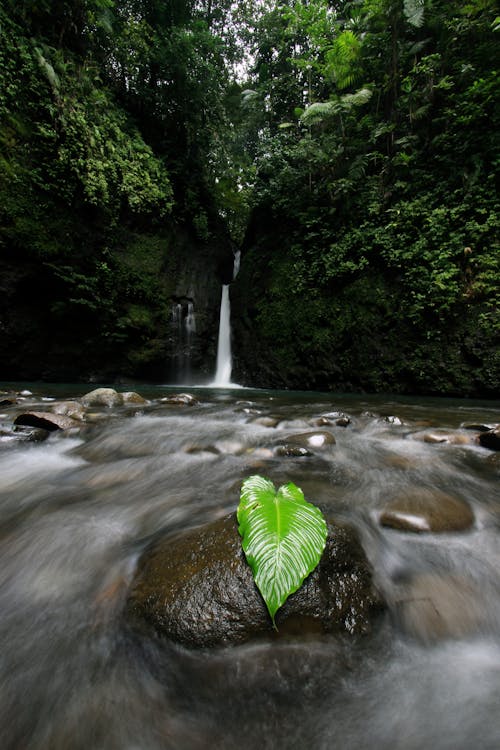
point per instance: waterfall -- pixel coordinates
(224, 360)
(190, 323)
(176, 316)
(183, 324)
(224, 364)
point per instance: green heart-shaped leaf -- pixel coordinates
(283, 537)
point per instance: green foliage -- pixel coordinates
(283, 538)
(343, 59)
(414, 12)
(382, 202)
(361, 140)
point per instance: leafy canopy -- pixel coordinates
(283, 537)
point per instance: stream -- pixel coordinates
(78, 508)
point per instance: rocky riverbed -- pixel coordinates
(130, 618)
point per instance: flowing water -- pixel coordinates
(76, 511)
(224, 359)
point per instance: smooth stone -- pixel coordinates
(180, 399)
(197, 589)
(229, 447)
(31, 434)
(45, 420)
(316, 440)
(292, 451)
(131, 397)
(7, 401)
(72, 409)
(266, 421)
(102, 397)
(490, 439)
(422, 510)
(444, 436)
(393, 420)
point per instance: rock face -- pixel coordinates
(198, 590)
(423, 510)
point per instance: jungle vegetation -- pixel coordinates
(350, 149)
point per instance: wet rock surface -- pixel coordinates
(491, 439)
(422, 510)
(305, 444)
(45, 420)
(439, 436)
(72, 409)
(102, 397)
(180, 399)
(198, 590)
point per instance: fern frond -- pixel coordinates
(47, 69)
(342, 59)
(414, 12)
(318, 111)
(360, 97)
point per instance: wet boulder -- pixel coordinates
(197, 589)
(72, 409)
(45, 420)
(180, 399)
(440, 435)
(316, 440)
(133, 398)
(292, 451)
(490, 439)
(426, 510)
(102, 397)
(7, 400)
(305, 443)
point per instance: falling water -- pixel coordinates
(183, 323)
(176, 316)
(190, 323)
(224, 358)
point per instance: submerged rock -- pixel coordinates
(444, 436)
(25, 433)
(431, 607)
(197, 589)
(422, 510)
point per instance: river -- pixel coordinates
(77, 509)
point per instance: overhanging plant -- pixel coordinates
(283, 537)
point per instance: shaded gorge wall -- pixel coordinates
(109, 315)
